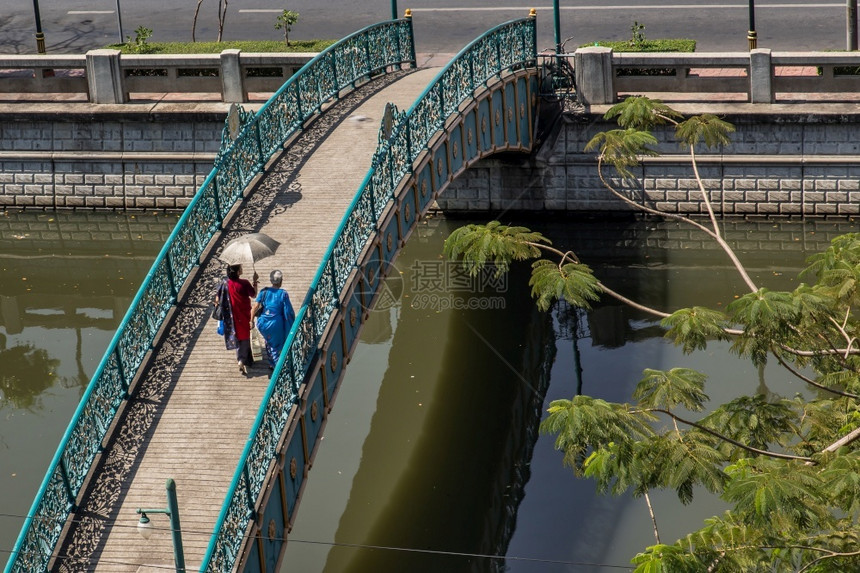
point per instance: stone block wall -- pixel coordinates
(110, 161)
(776, 165)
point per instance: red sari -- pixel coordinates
(241, 292)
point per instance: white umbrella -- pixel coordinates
(249, 248)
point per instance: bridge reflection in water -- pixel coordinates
(406, 461)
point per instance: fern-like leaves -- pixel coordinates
(691, 328)
(753, 421)
(621, 148)
(584, 423)
(670, 388)
(706, 128)
(493, 243)
(775, 494)
(641, 113)
(573, 282)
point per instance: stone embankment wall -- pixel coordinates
(785, 164)
(96, 160)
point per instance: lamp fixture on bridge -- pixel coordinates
(144, 526)
(40, 37)
(752, 35)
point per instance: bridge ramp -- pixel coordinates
(192, 413)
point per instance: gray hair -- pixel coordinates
(277, 277)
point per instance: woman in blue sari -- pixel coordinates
(276, 317)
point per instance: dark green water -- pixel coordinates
(431, 449)
(432, 442)
(66, 280)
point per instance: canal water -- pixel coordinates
(431, 459)
(66, 280)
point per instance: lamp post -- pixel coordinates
(752, 36)
(40, 37)
(394, 9)
(119, 21)
(556, 20)
(851, 23)
(172, 511)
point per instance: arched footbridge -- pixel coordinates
(338, 166)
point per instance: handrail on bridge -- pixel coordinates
(506, 47)
(244, 152)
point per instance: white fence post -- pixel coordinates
(761, 76)
(594, 78)
(232, 82)
(104, 77)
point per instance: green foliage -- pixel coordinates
(786, 496)
(641, 113)
(621, 148)
(585, 422)
(637, 34)
(268, 46)
(285, 21)
(789, 469)
(659, 45)
(493, 243)
(140, 43)
(753, 421)
(572, 282)
(691, 328)
(668, 389)
(706, 127)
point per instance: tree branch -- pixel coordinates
(716, 237)
(727, 439)
(812, 382)
(653, 517)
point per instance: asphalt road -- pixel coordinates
(442, 26)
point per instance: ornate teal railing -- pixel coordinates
(506, 47)
(245, 149)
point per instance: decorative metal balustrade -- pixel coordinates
(505, 48)
(249, 141)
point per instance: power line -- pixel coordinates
(331, 544)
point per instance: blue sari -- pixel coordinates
(275, 321)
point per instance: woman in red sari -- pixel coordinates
(241, 292)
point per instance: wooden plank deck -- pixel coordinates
(191, 415)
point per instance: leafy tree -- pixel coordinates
(788, 468)
(285, 21)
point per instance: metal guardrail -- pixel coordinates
(509, 46)
(257, 138)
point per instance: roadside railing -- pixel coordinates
(507, 47)
(232, 75)
(759, 76)
(248, 142)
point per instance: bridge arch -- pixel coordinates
(482, 103)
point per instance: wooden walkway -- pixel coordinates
(192, 412)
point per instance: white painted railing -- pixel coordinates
(106, 76)
(759, 76)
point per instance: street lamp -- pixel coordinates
(751, 34)
(144, 527)
(119, 21)
(851, 23)
(40, 37)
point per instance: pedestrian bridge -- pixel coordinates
(338, 166)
